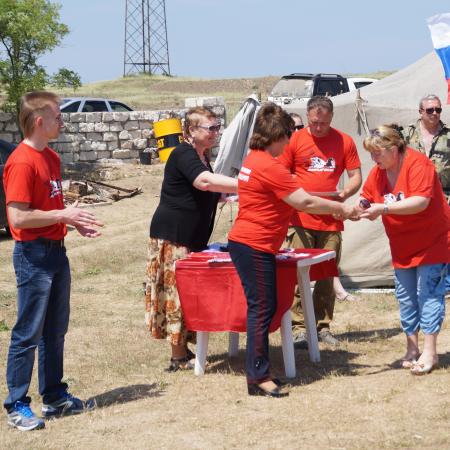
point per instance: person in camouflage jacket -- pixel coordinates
(431, 136)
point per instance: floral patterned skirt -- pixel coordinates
(163, 314)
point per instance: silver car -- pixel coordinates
(89, 104)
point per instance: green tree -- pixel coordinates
(66, 78)
(28, 30)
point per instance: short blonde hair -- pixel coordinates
(385, 136)
(194, 115)
(33, 104)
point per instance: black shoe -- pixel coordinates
(326, 337)
(300, 341)
(278, 382)
(254, 389)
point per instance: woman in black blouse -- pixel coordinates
(183, 222)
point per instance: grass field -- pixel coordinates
(353, 399)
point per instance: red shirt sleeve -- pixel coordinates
(351, 160)
(369, 187)
(19, 183)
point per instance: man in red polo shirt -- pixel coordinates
(38, 221)
(319, 155)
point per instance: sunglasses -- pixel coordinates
(211, 128)
(432, 110)
(299, 127)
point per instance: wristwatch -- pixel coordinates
(385, 210)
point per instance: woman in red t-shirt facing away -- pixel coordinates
(405, 191)
(267, 193)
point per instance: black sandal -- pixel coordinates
(189, 354)
(180, 364)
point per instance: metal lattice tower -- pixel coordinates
(146, 46)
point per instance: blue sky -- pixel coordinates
(247, 38)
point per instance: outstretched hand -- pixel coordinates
(349, 212)
(82, 220)
(372, 213)
(88, 232)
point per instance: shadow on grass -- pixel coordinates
(333, 363)
(126, 394)
(444, 360)
(370, 335)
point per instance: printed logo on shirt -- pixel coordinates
(392, 198)
(318, 164)
(55, 188)
(244, 174)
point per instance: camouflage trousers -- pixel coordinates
(323, 294)
(163, 314)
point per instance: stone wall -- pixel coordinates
(106, 136)
(9, 131)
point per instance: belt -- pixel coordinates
(51, 242)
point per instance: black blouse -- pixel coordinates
(185, 215)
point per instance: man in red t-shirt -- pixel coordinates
(38, 220)
(319, 155)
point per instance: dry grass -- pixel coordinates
(353, 399)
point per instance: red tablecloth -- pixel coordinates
(211, 293)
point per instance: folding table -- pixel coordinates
(212, 298)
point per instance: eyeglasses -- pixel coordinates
(299, 127)
(211, 128)
(432, 110)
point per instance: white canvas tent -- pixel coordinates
(366, 258)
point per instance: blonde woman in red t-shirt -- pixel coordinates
(405, 191)
(267, 193)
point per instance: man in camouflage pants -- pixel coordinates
(431, 136)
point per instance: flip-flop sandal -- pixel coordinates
(180, 364)
(422, 369)
(407, 363)
(347, 298)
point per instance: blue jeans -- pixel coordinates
(447, 280)
(257, 271)
(420, 292)
(43, 294)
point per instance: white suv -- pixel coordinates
(88, 104)
(300, 87)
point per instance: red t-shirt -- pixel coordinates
(319, 164)
(34, 177)
(415, 239)
(263, 217)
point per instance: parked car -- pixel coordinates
(358, 83)
(300, 87)
(6, 149)
(88, 104)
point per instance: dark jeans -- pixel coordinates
(257, 271)
(43, 285)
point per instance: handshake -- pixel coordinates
(362, 210)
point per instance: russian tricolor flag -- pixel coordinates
(439, 26)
